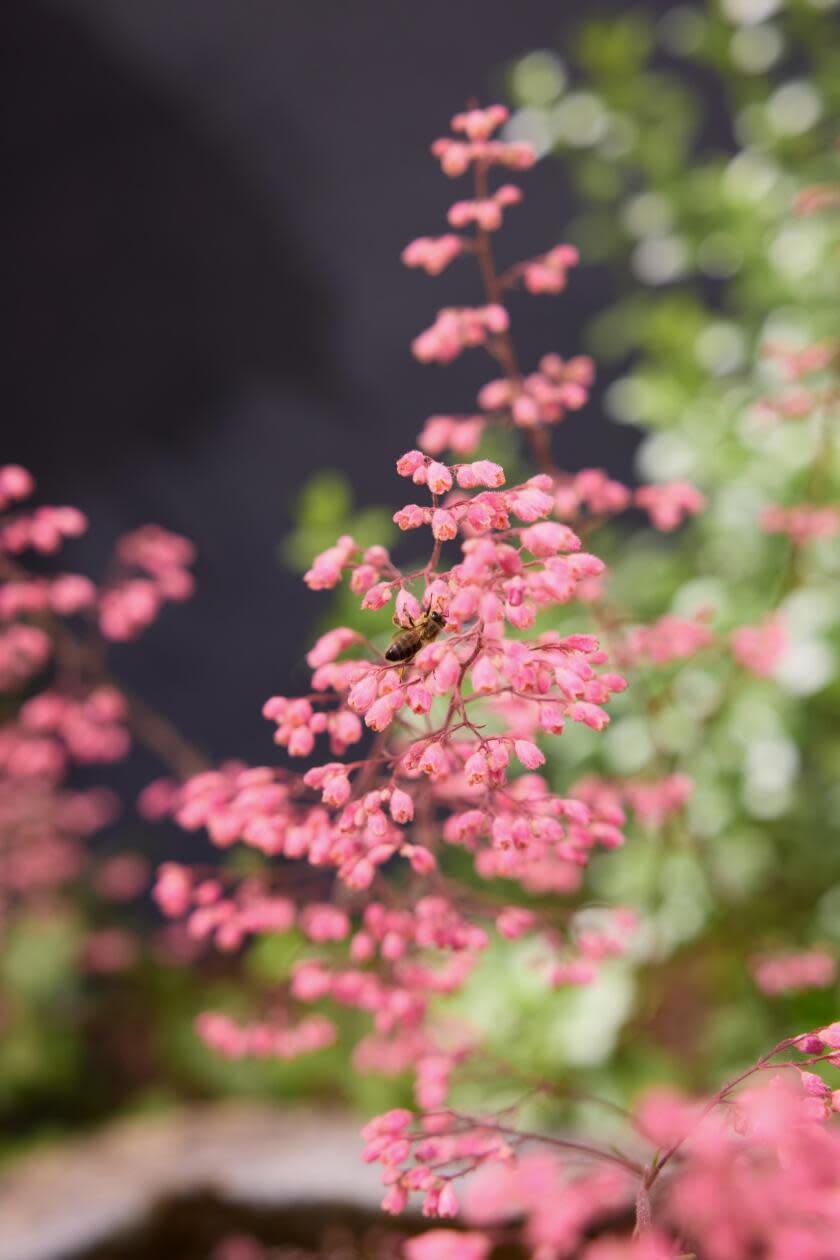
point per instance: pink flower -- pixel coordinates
(16, 483)
(324, 923)
(484, 676)
(529, 754)
(70, 593)
(327, 567)
(331, 645)
(668, 505)
(479, 124)
(548, 273)
(549, 537)
(401, 806)
(801, 523)
(459, 434)
(447, 1244)
(670, 638)
(419, 698)
(432, 253)
(650, 1245)
(514, 921)
(378, 596)
(438, 478)
(476, 769)
(760, 648)
(791, 973)
(665, 1117)
(447, 1204)
(590, 714)
(173, 889)
(433, 761)
(485, 212)
(381, 713)
(412, 516)
(444, 524)
(408, 464)
(481, 473)
(457, 329)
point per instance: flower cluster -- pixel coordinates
(429, 750)
(459, 328)
(542, 397)
(456, 156)
(669, 638)
(760, 648)
(265, 1039)
(750, 1172)
(435, 778)
(802, 396)
(668, 505)
(62, 709)
(791, 973)
(653, 801)
(801, 523)
(151, 567)
(154, 569)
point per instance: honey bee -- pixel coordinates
(407, 643)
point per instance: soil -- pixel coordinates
(193, 1228)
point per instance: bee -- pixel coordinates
(407, 643)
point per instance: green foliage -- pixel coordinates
(708, 263)
(324, 510)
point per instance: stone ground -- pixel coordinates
(68, 1199)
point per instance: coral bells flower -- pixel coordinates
(760, 648)
(451, 725)
(593, 490)
(438, 477)
(801, 523)
(447, 1244)
(742, 1186)
(481, 473)
(460, 434)
(153, 570)
(548, 274)
(543, 397)
(652, 801)
(24, 651)
(670, 638)
(668, 505)
(432, 253)
(44, 530)
(457, 329)
(486, 213)
(16, 484)
(264, 1040)
(557, 1207)
(791, 973)
(477, 126)
(796, 362)
(327, 567)
(428, 708)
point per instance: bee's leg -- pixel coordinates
(401, 624)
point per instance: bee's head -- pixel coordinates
(438, 619)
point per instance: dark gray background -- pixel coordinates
(200, 249)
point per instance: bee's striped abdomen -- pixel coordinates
(404, 646)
